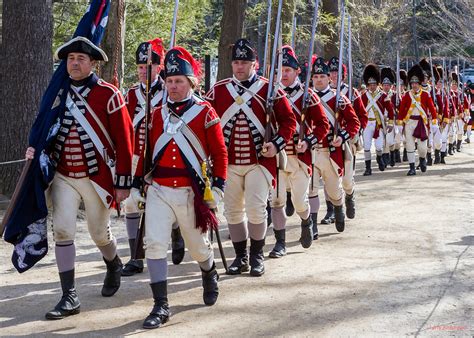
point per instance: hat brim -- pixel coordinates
(81, 44)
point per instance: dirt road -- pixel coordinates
(404, 266)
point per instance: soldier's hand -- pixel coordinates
(269, 150)
(337, 142)
(121, 195)
(302, 146)
(30, 153)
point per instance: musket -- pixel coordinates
(349, 57)
(339, 71)
(293, 31)
(433, 84)
(267, 39)
(397, 90)
(139, 251)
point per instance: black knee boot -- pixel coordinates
(443, 156)
(450, 149)
(69, 304)
(398, 159)
(241, 261)
(458, 146)
(290, 208)
(257, 267)
(306, 238)
(423, 164)
(380, 162)
(133, 266)
(412, 170)
(314, 217)
(160, 313)
(279, 250)
(209, 285)
(329, 218)
(405, 155)
(350, 205)
(339, 213)
(112, 277)
(368, 168)
(429, 159)
(437, 159)
(392, 158)
(177, 246)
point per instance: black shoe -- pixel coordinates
(350, 206)
(423, 164)
(161, 312)
(443, 156)
(412, 170)
(257, 267)
(467, 140)
(380, 162)
(437, 159)
(132, 267)
(386, 159)
(398, 159)
(279, 250)
(177, 246)
(429, 160)
(450, 149)
(241, 261)
(368, 168)
(392, 158)
(306, 238)
(458, 146)
(69, 304)
(405, 155)
(290, 208)
(314, 217)
(329, 218)
(209, 285)
(339, 213)
(112, 277)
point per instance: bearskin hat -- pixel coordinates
(404, 77)
(425, 65)
(371, 74)
(415, 74)
(455, 77)
(388, 75)
(440, 71)
(435, 74)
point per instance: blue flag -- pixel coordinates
(26, 228)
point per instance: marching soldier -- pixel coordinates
(375, 101)
(470, 100)
(136, 101)
(348, 182)
(91, 140)
(240, 103)
(416, 112)
(399, 139)
(440, 135)
(298, 170)
(388, 81)
(185, 137)
(461, 107)
(334, 150)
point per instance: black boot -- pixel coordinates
(405, 155)
(133, 266)
(437, 159)
(306, 238)
(429, 159)
(350, 205)
(177, 246)
(380, 162)
(329, 218)
(443, 156)
(241, 261)
(467, 140)
(423, 164)
(290, 208)
(339, 213)
(209, 284)
(412, 170)
(279, 250)
(458, 146)
(392, 158)
(269, 214)
(386, 159)
(450, 149)
(314, 217)
(398, 159)
(161, 312)
(368, 168)
(256, 257)
(112, 277)
(69, 304)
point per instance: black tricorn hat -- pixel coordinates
(81, 44)
(435, 74)
(425, 65)
(387, 75)
(404, 77)
(371, 74)
(415, 74)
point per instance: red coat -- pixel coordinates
(221, 99)
(426, 104)
(442, 106)
(316, 120)
(358, 106)
(383, 102)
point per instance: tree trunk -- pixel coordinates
(27, 64)
(331, 47)
(232, 25)
(113, 44)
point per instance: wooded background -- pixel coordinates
(32, 29)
